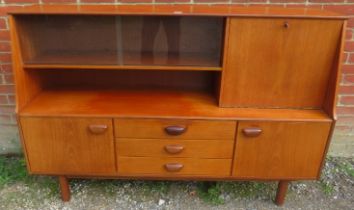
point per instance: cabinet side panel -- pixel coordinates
(330, 102)
(279, 62)
(27, 84)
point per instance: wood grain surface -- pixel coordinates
(156, 166)
(155, 128)
(153, 104)
(66, 146)
(177, 10)
(189, 148)
(283, 150)
(270, 64)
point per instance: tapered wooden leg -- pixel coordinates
(281, 192)
(64, 188)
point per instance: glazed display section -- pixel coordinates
(176, 92)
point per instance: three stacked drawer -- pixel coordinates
(155, 147)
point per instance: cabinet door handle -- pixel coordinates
(175, 130)
(173, 167)
(252, 132)
(97, 129)
(174, 149)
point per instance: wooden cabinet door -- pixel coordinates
(278, 62)
(280, 150)
(69, 146)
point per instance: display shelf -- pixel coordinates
(152, 103)
(60, 60)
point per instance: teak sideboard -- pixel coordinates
(176, 92)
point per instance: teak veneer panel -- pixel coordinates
(191, 148)
(154, 166)
(66, 146)
(153, 104)
(177, 10)
(283, 150)
(279, 62)
(127, 80)
(333, 85)
(27, 85)
(195, 129)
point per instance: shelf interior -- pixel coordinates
(121, 40)
(139, 93)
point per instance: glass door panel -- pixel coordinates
(121, 40)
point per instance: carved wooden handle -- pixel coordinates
(252, 132)
(174, 149)
(175, 130)
(97, 129)
(173, 167)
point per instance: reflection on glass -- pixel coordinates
(172, 30)
(121, 40)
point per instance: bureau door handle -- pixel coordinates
(97, 129)
(173, 167)
(175, 130)
(174, 149)
(252, 132)
(286, 24)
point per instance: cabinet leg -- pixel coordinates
(64, 188)
(281, 192)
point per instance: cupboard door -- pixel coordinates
(280, 150)
(69, 146)
(278, 62)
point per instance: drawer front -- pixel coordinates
(174, 148)
(173, 166)
(70, 146)
(178, 129)
(278, 150)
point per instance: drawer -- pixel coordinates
(173, 166)
(280, 150)
(178, 129)
(174, 148)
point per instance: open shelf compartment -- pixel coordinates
(150, 94)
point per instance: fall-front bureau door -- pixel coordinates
(74, 146)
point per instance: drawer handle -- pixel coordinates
(97, 129)
(174, 149)
(175, 130)
(173, 167)
(252, 132)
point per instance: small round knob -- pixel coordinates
(286, 24)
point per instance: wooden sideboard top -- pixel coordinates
(178, 10)
(153, 104)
